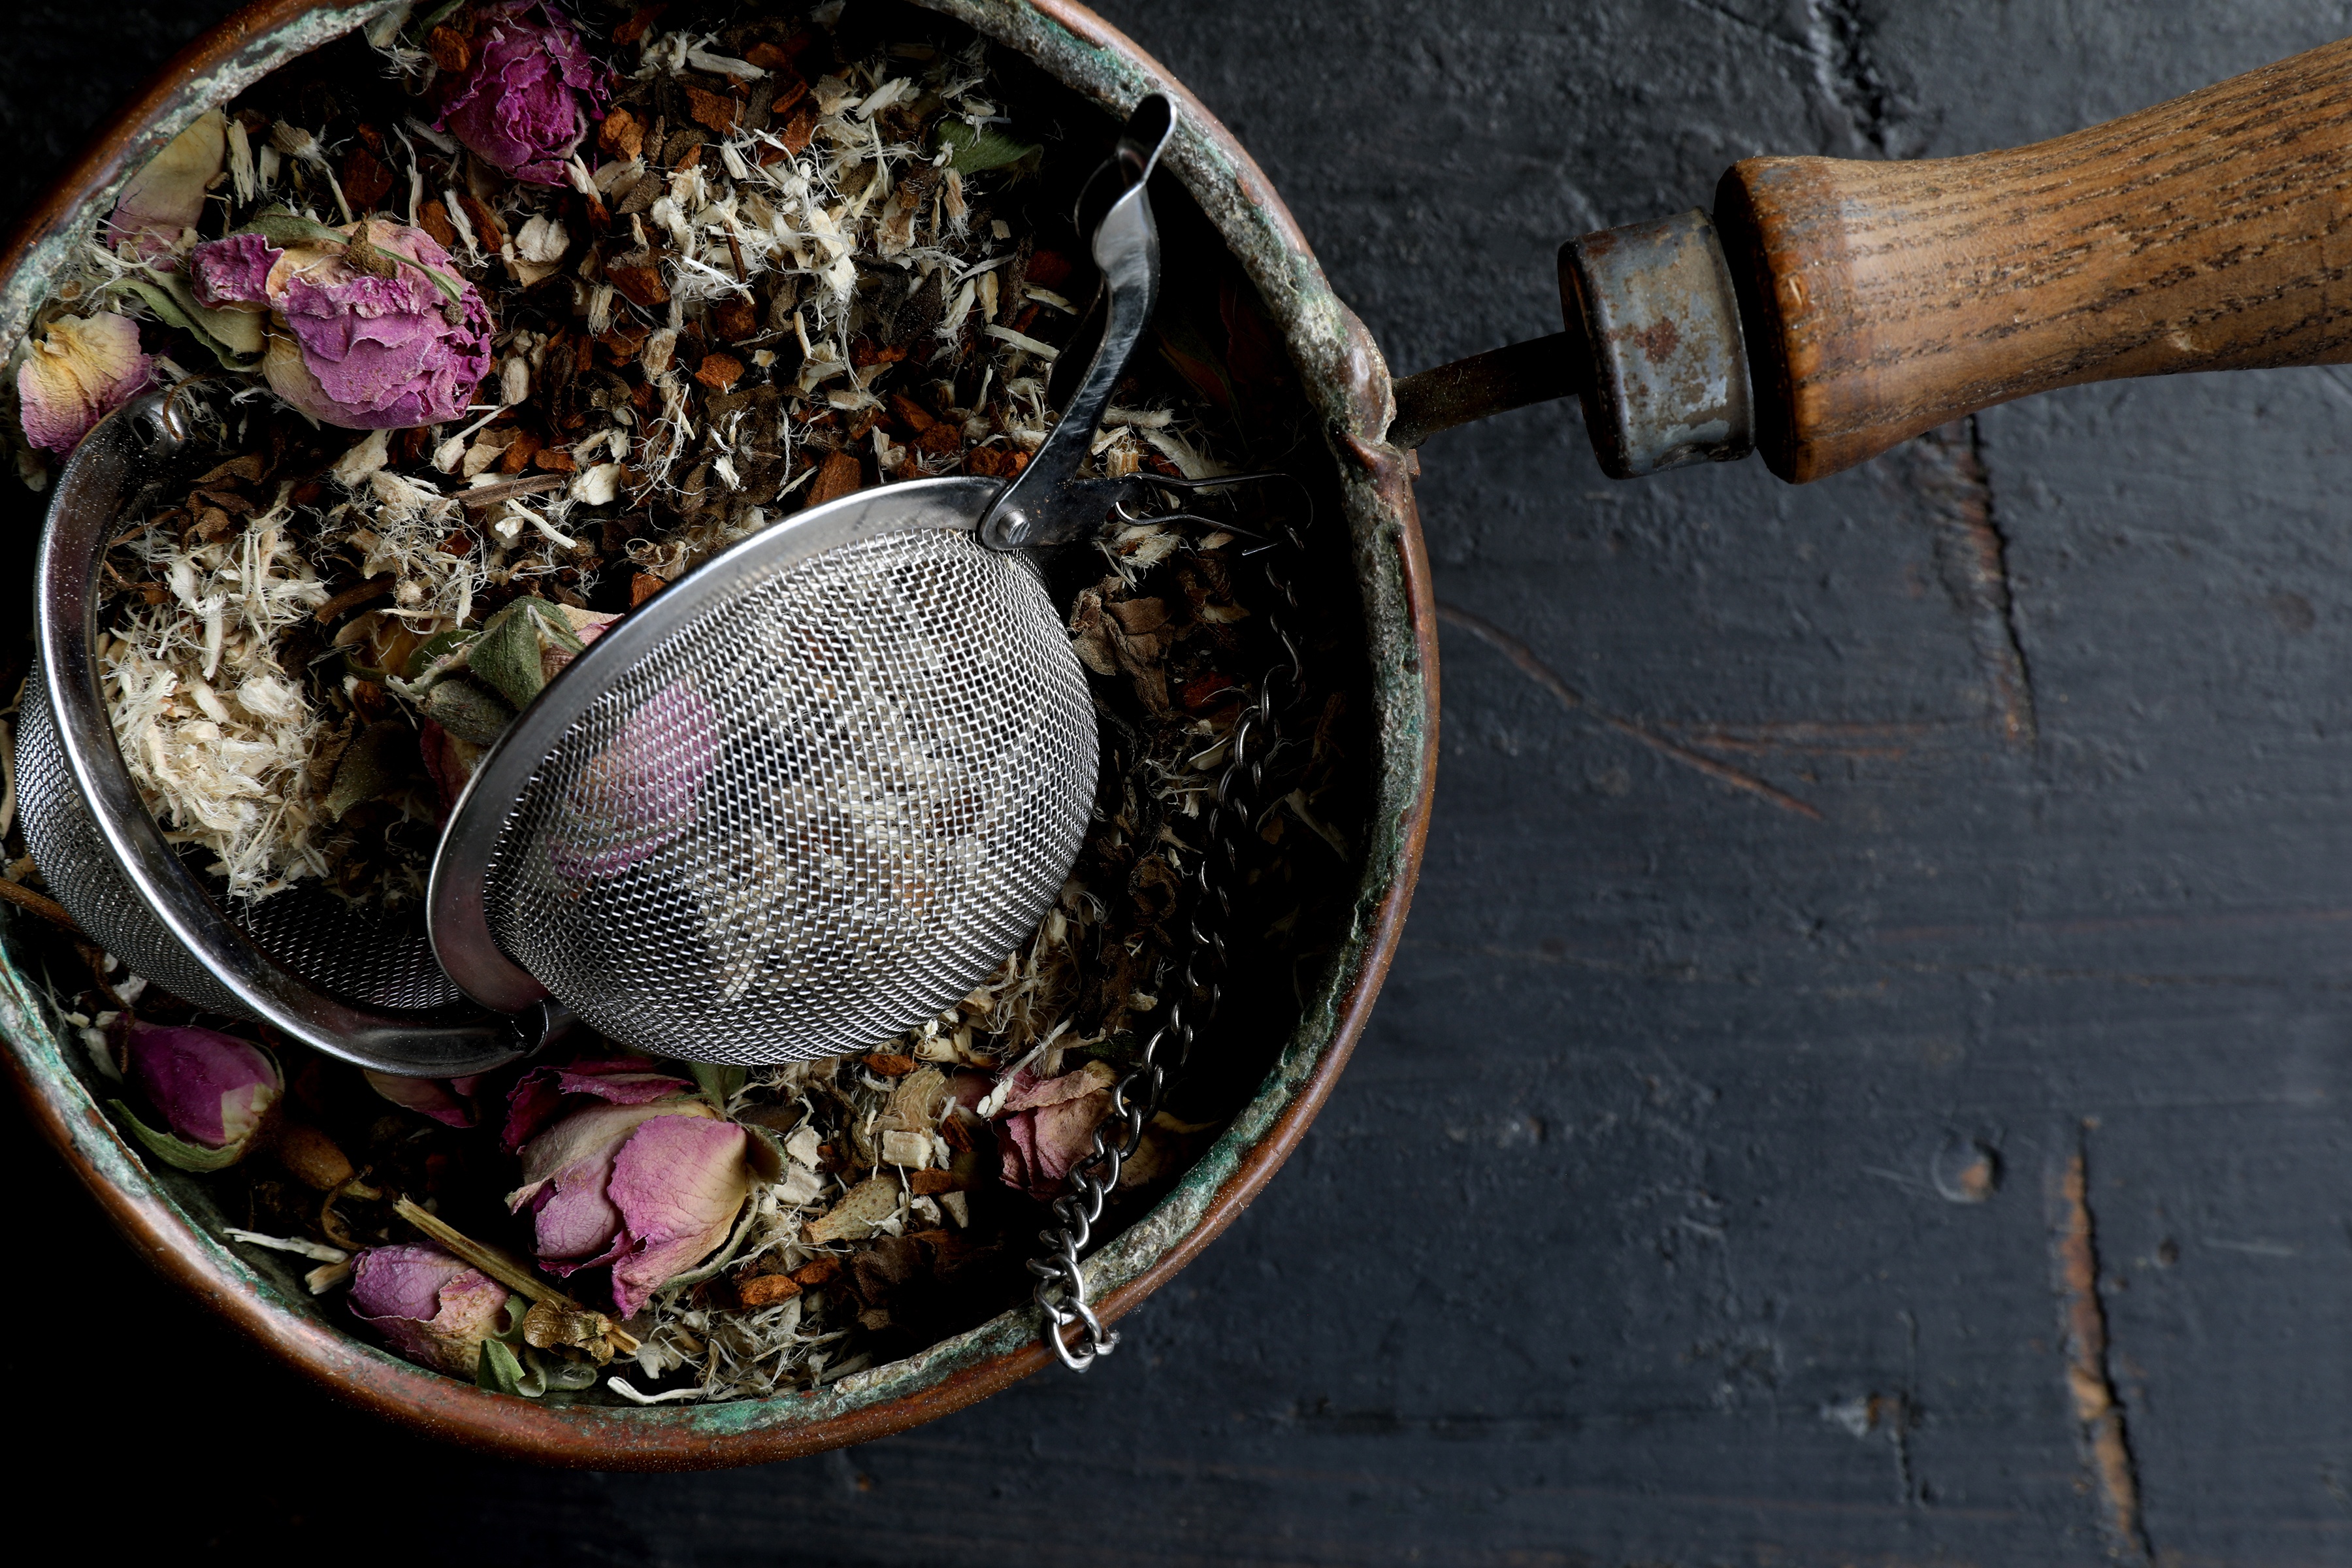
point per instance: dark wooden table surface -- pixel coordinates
(1868, 1084)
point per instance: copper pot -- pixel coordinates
(169, 1217)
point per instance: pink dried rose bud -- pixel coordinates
(214, 1092)
(638, 798)
(1048, 1125)
(428, 1306)
(76, 372)
(161, 204)
(637, 1176)
(529, 93)
(363, 331)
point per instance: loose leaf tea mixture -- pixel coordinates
(522, 312)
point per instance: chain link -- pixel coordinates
(1233, 807)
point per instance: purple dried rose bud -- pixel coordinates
(381, 349)
(643, 1174)
(529, 94)
(428, 1306)
(1048, 1125)
(637, 797)
(214, 1092)
(76, 372)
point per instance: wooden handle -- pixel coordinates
(1883, 300)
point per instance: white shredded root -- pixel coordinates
(221, 739)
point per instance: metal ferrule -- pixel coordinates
(1669, 370)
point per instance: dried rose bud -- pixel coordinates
(640, 1176)
(427, 1305)
(76, 372)
(214, 1092)
(637, 797)
(1048, 1125)
(161, 202)
(529, 94)
(364, 332)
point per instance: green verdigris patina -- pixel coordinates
(1347, 384)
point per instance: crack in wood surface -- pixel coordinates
(2097, 1407)
(1890, 741)
(1542, 673)
(1972, 556)
(1846, 69)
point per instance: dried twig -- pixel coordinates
(506, 1270)
(538, 484)
(48, 908)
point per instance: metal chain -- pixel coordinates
(1240, 794)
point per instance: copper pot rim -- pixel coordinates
(1355, 397)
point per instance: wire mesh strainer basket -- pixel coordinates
(838, 779)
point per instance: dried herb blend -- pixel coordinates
(532, 320)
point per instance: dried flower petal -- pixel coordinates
(447, 1100)
(233, 272)
(76, 372)
(1048, 1125)
(678, 1183)
(161, 202)
(544, 1092)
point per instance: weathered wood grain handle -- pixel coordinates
(1882, 299)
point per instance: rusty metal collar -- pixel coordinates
(1670, 373)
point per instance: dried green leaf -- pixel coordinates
(719, 1082)
(379, 759)
(569, 1376)
(284, 229)
(498, 1371)
(466, 711)
(437, 658)
(979, 150)
(224, 334)
(507, 653)
(176, 1152)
